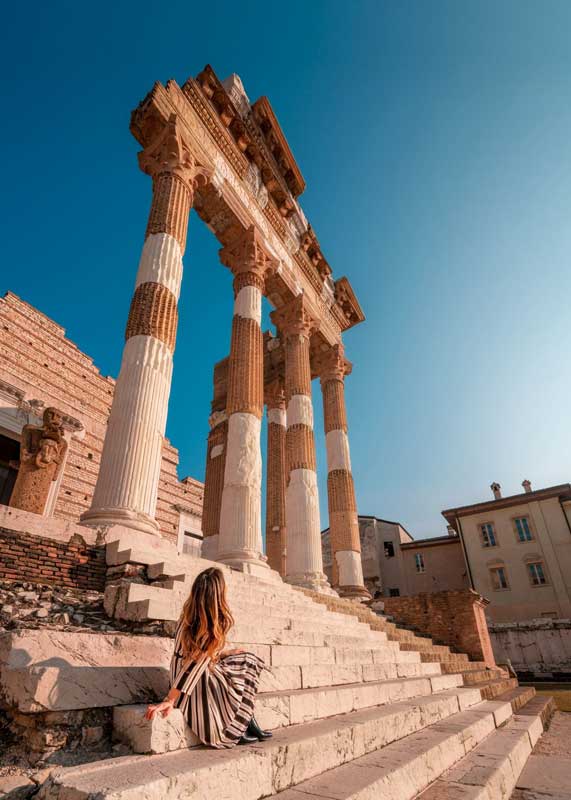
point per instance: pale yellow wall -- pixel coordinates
(552, 544)
(445, 569)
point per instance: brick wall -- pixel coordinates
(455, 618)
(35, 559)
(38, 358)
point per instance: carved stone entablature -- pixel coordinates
(277, 143)
(347, 303)
(237, 195)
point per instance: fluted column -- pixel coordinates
(343, 520)
(126, 489)
(304, 565)
(240, 539)
(214, 483)
(276, 477)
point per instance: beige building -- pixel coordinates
(395, 564)
(518, 551)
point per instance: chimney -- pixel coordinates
(526, 486)
(451, 531)
(497, 490)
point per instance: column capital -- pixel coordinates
(274, 394)
(294, 318)
(169, 154)
(331, 364)
(247, 259)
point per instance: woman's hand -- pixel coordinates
(164, 709)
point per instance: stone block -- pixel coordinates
(16, 787)
(160, 735)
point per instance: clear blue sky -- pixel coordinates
(435, 141)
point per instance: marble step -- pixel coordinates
(491, 689)
(294, 755)
(518, 697)
(463, 666)
(474, 676)
(491, 770)
(402, 769)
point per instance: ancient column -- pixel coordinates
(276, 477)
(304, 565)
(343, 521)
(214, 483)
(126, 489)
(240, 539)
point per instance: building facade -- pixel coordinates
(42, 368)
(397, 565)
(518, 551)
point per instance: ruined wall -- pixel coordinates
(454, 618)
(538, 647)
(38, 359)
(72, 564)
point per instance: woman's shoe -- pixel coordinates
(246, 739)
(254, 729)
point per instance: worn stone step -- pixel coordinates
(491, 770)
(294, 755)
(425, 646)
(403, 769)
(277, 709)
(455, 658)
(474, 676)
(453, 665)
(518, 697)
(542, 706)
(493, 688)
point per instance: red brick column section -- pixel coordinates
(343, 523)
(276, 477)
(240, 539)
(454, 618)
(214, 483)
(126, 489)
(304, 565)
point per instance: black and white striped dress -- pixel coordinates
(217, 701)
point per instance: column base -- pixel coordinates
(98, 517)
(316, 581)
(245, 561)
(358, 593)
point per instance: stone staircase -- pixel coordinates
(359, 707)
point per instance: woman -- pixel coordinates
(215, 690)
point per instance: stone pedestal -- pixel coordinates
(126, 489)
(304, 565)
(343, 521)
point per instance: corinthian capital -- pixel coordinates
(168, 154)
(332, 365)
(294, 318)
(247, 258)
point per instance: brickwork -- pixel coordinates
(456, 619)
(300, 448)
(334, 412)
(39, 360)
(214, 478)
(341, 494)
(170, 208)
(245, 373)
(153, 312)
(298, 372)
(276, 480)
(37, 560)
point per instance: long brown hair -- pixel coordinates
(206, 616)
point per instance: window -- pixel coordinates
(499, 578)
(419, 562)
(523, 530)
(394, 593)
(389, 550)
(488, 535)
(536, 573)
